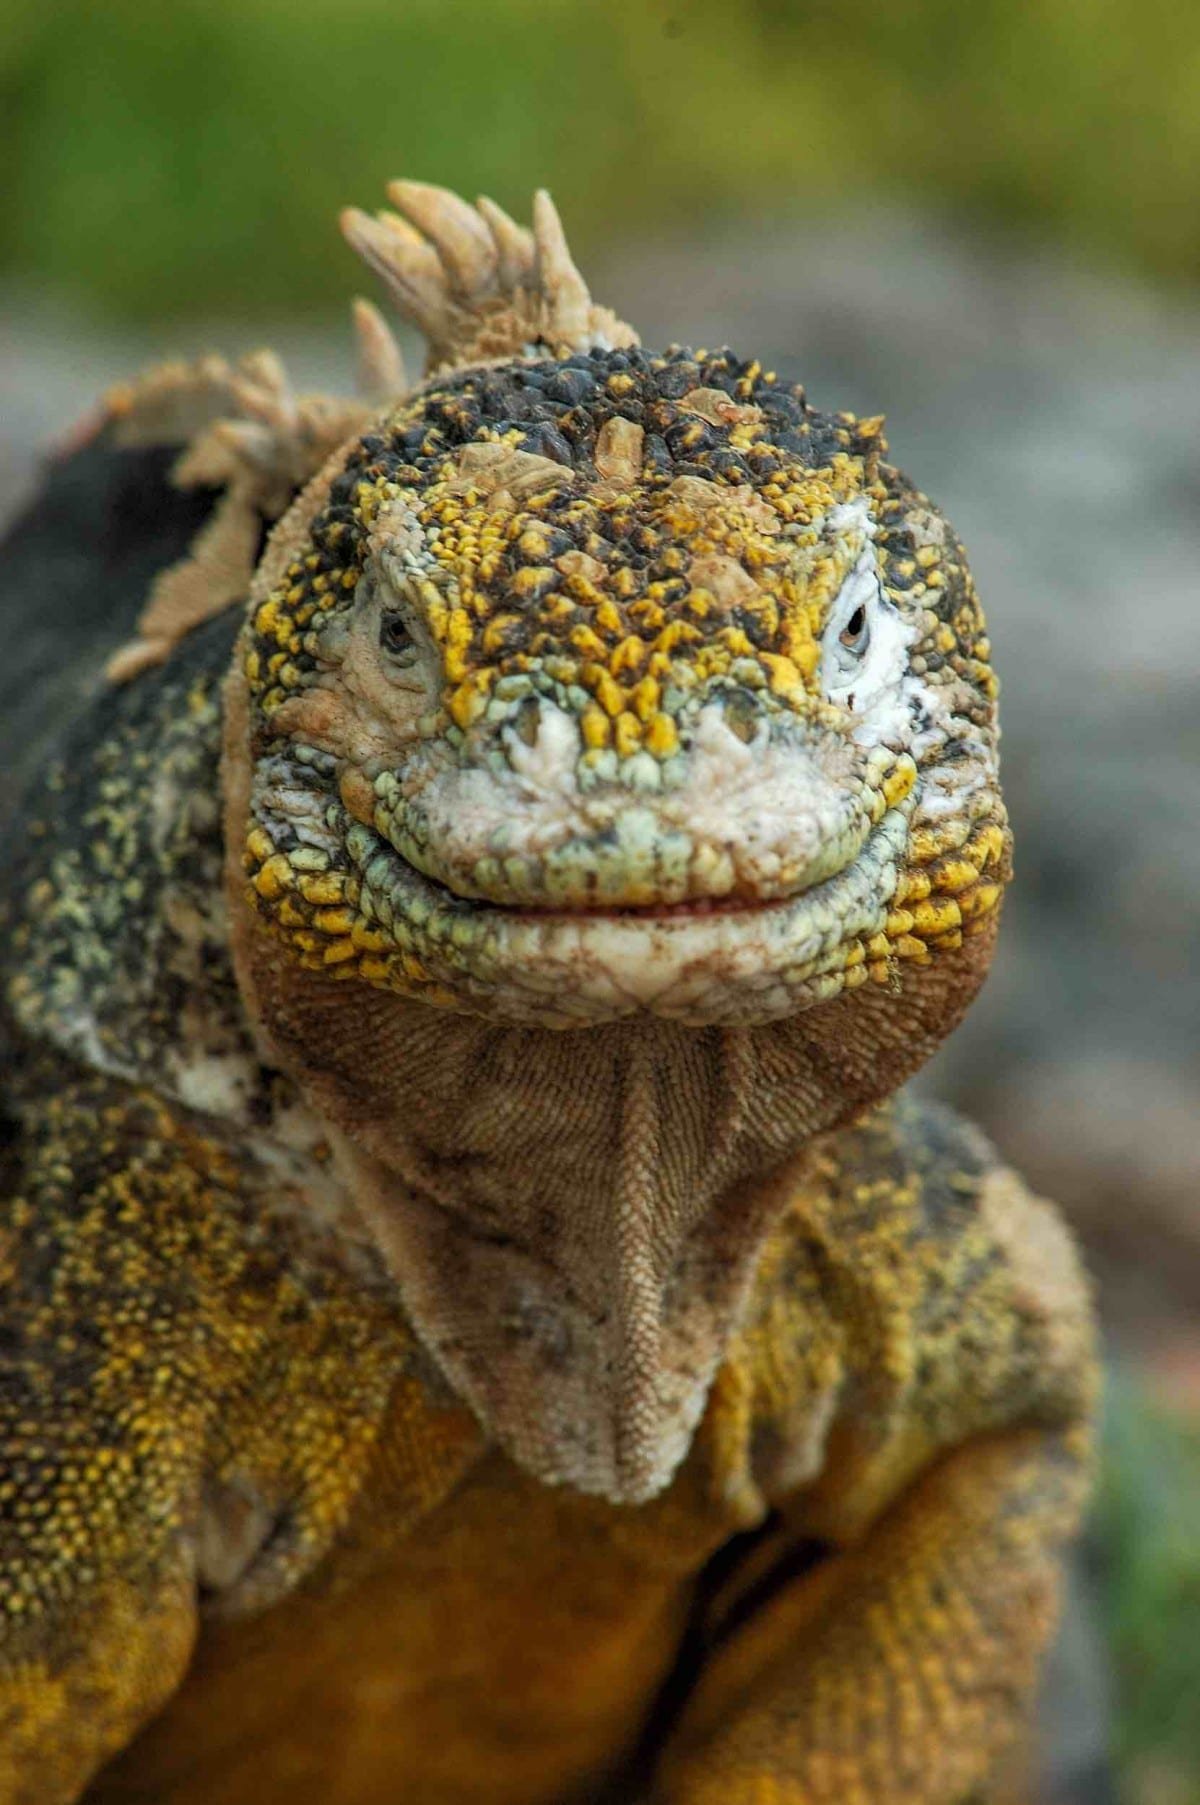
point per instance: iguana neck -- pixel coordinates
(573, 1218)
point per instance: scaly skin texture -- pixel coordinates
(476, 1321)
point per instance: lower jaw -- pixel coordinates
(734, 963)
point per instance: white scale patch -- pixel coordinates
(873, 685)
(877, 688)
(548, 766)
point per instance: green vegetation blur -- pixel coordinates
(1145, 1517)
(186, 156)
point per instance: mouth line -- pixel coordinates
(554, 915)
(734, 959)
(428, 902)
(690, 909)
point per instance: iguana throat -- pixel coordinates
(573, 1220)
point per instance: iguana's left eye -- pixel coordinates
(847, 642)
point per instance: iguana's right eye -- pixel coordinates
(394, 635)
(855, 634)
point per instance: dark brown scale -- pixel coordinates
(688, 437)
(546, 441)
(571, 385)
(729, 465)
(655, 456)
(677, 380)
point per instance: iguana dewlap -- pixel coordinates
(476, 1324)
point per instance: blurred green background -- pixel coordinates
(885, 197)
(184, 156)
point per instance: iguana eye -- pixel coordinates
(864, 648)
(848, 631)
(394, 635)
(856, 633)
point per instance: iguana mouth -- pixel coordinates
(733, 960)
(689, 909)
(736, 825)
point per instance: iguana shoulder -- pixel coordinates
(915, 1294)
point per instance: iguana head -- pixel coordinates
(593, 681)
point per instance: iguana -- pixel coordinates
(477, 1323)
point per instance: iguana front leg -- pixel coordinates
(81, 1673)
(100, 1460)
(903, 1675)
(901, 1670)
(171, 1421)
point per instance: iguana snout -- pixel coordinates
(521, 822)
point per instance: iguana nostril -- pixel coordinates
(742, 715)
(529, 720)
